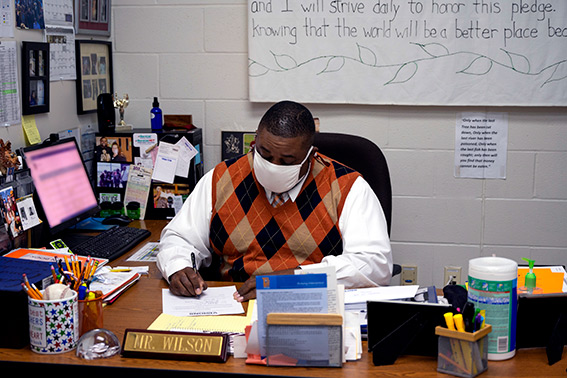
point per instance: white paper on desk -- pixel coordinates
(186, 152)
(213, 301)
(380, 293)
(147, 252)
(253, 344)
(166, 162)
(331, 272)
(352, 336)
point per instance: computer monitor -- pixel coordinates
(61, 183)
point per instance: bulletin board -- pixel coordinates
(409, 52)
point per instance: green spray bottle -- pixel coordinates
(530, 282)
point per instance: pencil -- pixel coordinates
(53, 274)
(31, 287)
(39, 295)
(29, 292)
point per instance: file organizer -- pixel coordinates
(301, 339)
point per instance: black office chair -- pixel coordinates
(365, 157)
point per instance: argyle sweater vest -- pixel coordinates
(253, 238)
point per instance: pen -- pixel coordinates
(468, 316)
(194, 266)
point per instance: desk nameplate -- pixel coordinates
(140, 343)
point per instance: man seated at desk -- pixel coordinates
(328, 215)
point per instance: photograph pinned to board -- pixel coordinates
(170, 196)
(94, 73)
(10, 213)
(109, 197)
(112, 175)
(236, 143)
(29, 14)
(28, 212)
(35, 77)
(115, 149)
(93, 17)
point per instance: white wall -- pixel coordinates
(192, 55)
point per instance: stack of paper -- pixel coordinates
(49, 255)
(233, 325)
(213, 301)
(356, 299)
(113, 284)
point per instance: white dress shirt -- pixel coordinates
(366, 259)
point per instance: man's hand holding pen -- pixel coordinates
(187, 282)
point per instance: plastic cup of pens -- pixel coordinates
(90, 312)
(462, 353)
(53, 320)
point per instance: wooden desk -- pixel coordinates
(141, 305)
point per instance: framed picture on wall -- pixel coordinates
(92, 17)
(35, 77)
(94, 73)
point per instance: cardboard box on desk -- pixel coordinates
(14, 314)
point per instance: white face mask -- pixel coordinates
(277, 178)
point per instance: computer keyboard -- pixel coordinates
(112, 243)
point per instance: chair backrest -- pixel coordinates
(365, 157)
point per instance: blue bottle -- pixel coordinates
(156, 117)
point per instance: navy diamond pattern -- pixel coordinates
(332, 244)
(308, 200)
(246, 192)
(271, 238)
(217, 233)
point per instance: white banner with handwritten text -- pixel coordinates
(426, 52)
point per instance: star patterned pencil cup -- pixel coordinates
(54, 324)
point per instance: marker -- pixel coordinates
(82, 292)
(459, 323)
(449, 320)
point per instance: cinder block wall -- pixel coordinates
(193, 55)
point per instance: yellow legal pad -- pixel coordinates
(220, 323)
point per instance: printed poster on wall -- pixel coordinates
(481, 144)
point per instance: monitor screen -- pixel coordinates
(62, 183)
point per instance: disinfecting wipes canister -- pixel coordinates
(492, 287)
